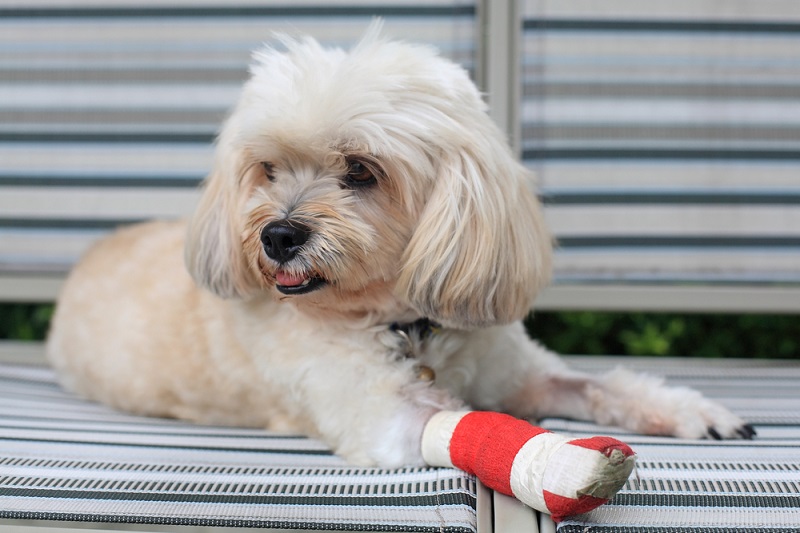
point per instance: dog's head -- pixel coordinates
(374, 177)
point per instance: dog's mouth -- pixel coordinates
(291, 284)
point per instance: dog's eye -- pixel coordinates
(269, 170)
(359, 175)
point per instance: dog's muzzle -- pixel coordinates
(282, 241)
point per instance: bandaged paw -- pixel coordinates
(549, 472)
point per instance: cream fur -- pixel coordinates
(449, 231)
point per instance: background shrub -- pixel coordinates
(757, 336)
(589, 333)
(25, 322)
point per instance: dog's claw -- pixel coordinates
(747, 432)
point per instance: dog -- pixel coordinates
(361, 257)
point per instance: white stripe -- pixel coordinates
(653, 220)
(138, 439)
(665, 175)
(576, 471)
(79, 159)
(669, 263)
(437, 436)
(120, 453)
(660, 112)
(527, 470)
(97, 202)
(129, 96)
(688, 473)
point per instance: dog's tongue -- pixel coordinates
(288, 280)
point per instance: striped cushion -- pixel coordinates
(62, 458)
(683, 485)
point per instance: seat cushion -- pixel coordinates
(63, 458)
(706, 485)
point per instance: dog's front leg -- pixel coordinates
(535, 383)
(366, 401)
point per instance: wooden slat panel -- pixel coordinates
(666, 138)
(108, 111)
(635, 113)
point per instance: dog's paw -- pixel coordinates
(704, 418)
(644, 404)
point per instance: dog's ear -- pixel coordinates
(213, 253)
(481, 250)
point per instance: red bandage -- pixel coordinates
(549, 472)
(485, 444)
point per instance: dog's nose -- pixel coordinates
(282, 240)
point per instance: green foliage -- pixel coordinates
(26, 322)
(590, 333)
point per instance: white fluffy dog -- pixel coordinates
(363, 251)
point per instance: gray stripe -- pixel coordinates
(66, 223)
(187, 496)
(536, 87)
(650, 25)
(237, 522)
(731, 466)
(320, 475)
(176, 447)
(582, 528)
(242, 11)
(126, 181)
(715, 197)
(139, 431)
(747, 154)
(713, 486)
(672, 241)
(544, 132)
(633, 279)
(36, 270)
(126, 74)
(108, 137)
(655, 499)
(138, 117)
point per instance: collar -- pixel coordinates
(413, 336)
(420, 329)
